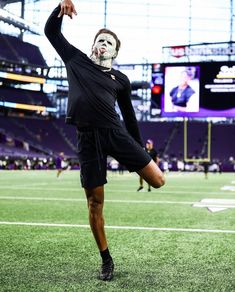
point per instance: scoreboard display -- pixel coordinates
(205, 89)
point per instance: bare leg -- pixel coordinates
(58, 172)
(141, 187)
(95, 202)
(152, 174)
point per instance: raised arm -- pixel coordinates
(53, 30)
(128, 114)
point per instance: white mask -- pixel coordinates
(104, 49)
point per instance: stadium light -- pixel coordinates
(30, 107)
(20, 77)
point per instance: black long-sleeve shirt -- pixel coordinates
(92, 91)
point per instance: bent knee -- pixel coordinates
(159, 182)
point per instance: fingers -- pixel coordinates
(67, 9)
(97, 52)
(74, 11)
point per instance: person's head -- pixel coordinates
(149, 144)
(184, 78)
(107, 43)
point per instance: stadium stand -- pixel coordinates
(13, 152)
(223, 141)
(5, 52)
(158, 132)
(40, 134)
(197, 137)
(168, 138)
(15, 50)
(53, 136)
(68, 131)
(24, 96)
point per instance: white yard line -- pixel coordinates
(84, 200)
(215, 205)
(228, 188)
(203, 205)
(79, 189)
(119, 227)
(112, 185)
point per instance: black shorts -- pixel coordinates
(94, 145)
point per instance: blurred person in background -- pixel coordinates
(59, 164)
(154, 155)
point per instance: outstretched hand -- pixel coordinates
(67, 8)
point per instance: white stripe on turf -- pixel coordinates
(78, 190)
(84, 200)
(119, 227)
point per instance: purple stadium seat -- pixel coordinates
(14, 49)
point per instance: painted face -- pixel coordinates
(105, 46)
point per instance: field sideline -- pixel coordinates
(159, 240)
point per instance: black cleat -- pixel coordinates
(106, 272)
(140, 189)
(149, 189)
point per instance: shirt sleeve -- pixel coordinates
(128, 113)
(53, 32)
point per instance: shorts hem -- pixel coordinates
(94, 185)
(139, 168)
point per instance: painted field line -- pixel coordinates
(112, 186)
(84, 200)
(215, 203)
(24, 187)
(79, 189)
(119, 227)
(228, 188)
(203, 205)
(170, 187)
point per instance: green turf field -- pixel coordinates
(158, 240)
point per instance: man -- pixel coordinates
(59, 160)
(206, 168)
(154, 155)
(94, 87)
(181, 94)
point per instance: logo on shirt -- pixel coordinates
(112, 76)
